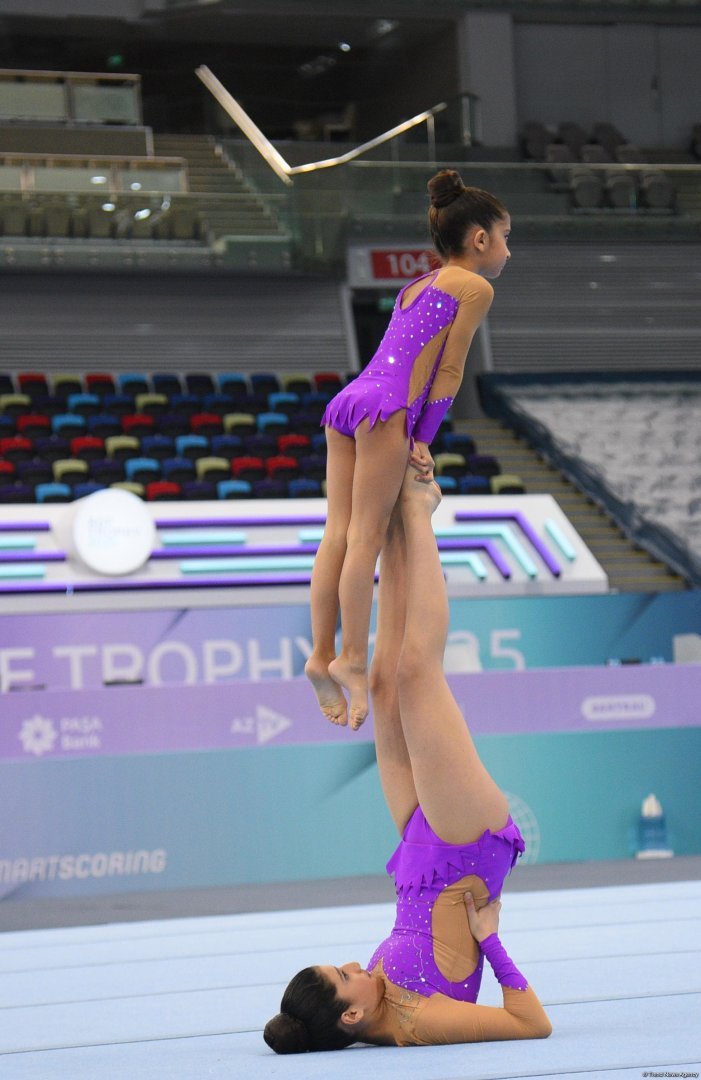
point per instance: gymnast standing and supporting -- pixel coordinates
(397, 402)
(458, 840)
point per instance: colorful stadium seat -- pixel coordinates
(166, 383)
(294, 445)
(87, 448)
(138, 424)
(33, 424)
(178, 469)
(234, 489)
(16, 448)
(84, 404)
(70, 471)
(53, 493)
(248, 468)
(213, 468)
(99, 383)
(121, 447)
(142, 470)
(303, 488)
(69, 425)
(239, 423)
(282, 468)
(206, 424)
(192, 446)
(161, 490)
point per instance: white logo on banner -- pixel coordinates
(38, 735)
(265, 725)
(618, 707)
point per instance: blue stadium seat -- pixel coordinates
(158, 446)
(227, 446)
(473, 485)
(103, 425)
(89, 487)
(269, 489)
(284, 403)
(303, 488)
(53, 493)
(142, 470)
(192, 446)
(447, 484)
(264, 383)
(84, 404)
(178, 469)
(166, 383)
(118, 404)
(199, 490)
(133, 383)
(68, 425)
(273, 423)
(233, 385)
(234, 489)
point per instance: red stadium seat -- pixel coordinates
(32, 383)
(282, 468)
(206, 424)
(16, 448)
(88, 448)
(32, 424)
(159, 490)
(137, 424)
(248, 468)
(99, 383)
(294, 445)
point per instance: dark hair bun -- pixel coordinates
(286, 1034)
(445, 187)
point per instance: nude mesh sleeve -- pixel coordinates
(443, 1020)
(474, 301)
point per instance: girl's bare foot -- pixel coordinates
(354, 679)
(328, 692)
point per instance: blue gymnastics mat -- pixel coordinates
(618, 970)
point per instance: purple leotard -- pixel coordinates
(423, 866)
(382, 388)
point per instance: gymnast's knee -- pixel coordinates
(382, 681)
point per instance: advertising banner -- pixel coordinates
(89, 650)
(147, 720)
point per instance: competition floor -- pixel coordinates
(618, 968)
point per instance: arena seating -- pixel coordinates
(571, 149)
(189, 436)
(632, 443)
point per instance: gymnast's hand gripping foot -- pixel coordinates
(457, 845)
(388, 415)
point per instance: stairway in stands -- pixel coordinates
(228, 205)
(597, 305)
(629, 569)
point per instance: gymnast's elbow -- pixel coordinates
(540, 1028)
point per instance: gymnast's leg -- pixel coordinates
(393, 759)
(458, 796)
(381, 455)
(327, 573)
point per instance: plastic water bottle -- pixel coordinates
(652, 831)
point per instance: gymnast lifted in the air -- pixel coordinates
(394, 408)
(458, 839)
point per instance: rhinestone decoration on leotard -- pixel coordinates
(383, 386)
(424, 866)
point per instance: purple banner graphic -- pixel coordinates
(36, 725)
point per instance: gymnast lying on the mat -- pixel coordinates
(422, 981)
